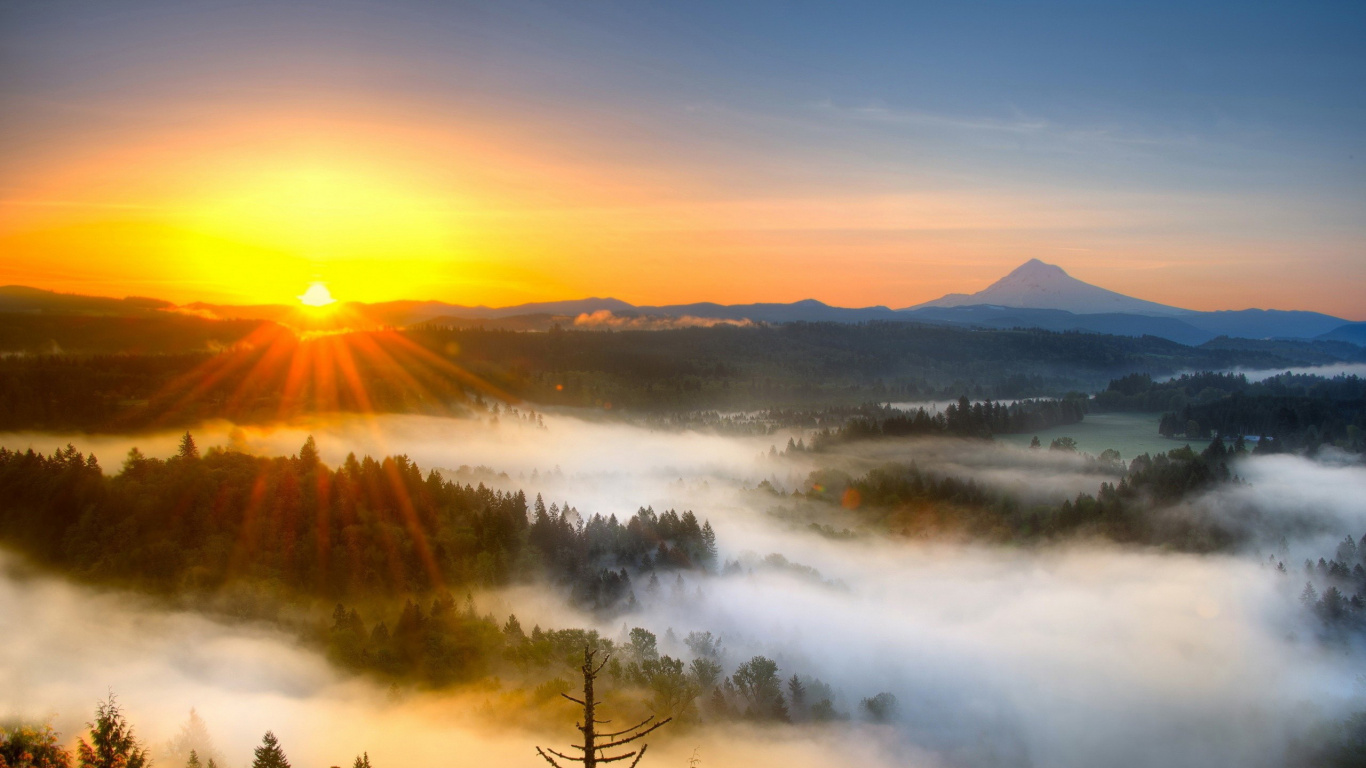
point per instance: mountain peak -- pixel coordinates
(1035, 272)
(1037, 284)
(1036, 267)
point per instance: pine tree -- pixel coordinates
(133, 460)
(797, 692)
(362, 761)
(269, 754)
(1348, 551)
(719, 708)
(1333, 605)
(188, 450)
(193, 739)
(308, 454)
(779, 710)
(708, 542)
(513, 629)
(112, 744)
(1310, 596)
(193, 762)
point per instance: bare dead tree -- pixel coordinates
(593, 752)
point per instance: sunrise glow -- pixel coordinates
(317, 295)
(432, 166)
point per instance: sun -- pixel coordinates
(317, 295)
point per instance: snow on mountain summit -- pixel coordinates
(1038, 285)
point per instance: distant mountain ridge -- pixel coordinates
(1034, 295)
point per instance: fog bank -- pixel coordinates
(1072, 655)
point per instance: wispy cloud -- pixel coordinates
(1019, 124)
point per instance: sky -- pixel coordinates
(1210, 156)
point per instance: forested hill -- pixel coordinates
(369, 528)
(1297, 411)
(274, 373)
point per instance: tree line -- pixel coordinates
(368, 527)
(906, 499)
(151, 381)
(1285, 412)
(959, 419)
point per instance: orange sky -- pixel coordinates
(253, 209)
(241, 187)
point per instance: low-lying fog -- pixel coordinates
(1078, 655)
(1330, 370)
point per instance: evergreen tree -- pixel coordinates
(193, 762)
(269, 754)
(112, 744)
(1333, 605)
(308, 454)
(133, 460)
(708, 543)
(797, 692)
(513, 629)
(1348, 551)
(362, 761)
(193, 739)
(779, 710)
(188, 450)
(718, 706)
(1310, 596)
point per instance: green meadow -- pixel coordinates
(1129, 433)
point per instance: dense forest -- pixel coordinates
(1297, 412)
(270, 371)
(1335, 588)
(368, 528)
(906, 500)
(1333, 608)
(961, 419)
(255, 536)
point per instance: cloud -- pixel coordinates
(603, 318)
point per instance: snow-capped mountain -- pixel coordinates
(1036, 285)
